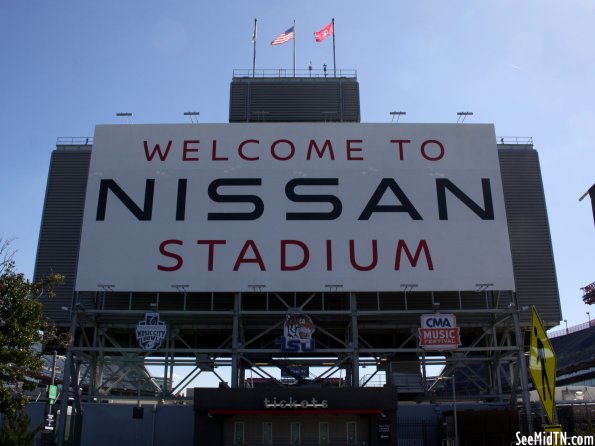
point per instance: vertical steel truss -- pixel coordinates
(353, 330)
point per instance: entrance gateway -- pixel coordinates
(305, 416)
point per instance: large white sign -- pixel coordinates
(294, 207)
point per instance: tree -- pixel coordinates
(15, 431)
(23, 331)
(6, 254)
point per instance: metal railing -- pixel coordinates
(521, 140)
(373, 380)
(289, 72)
(74, 141)
(574, 329)
(88, 140)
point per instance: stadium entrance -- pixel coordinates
(305, 416)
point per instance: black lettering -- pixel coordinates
(181, 204)
(143, 214)
(218, 198)
(334, 201)
(405, 206)
(487, 213)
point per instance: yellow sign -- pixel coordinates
(542, 366)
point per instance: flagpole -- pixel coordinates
(294, 48)
(334, 61)
(254, 56)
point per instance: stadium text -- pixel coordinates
(285, 150)
(250, 254)
(387, 187)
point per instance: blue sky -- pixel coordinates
(528, 67)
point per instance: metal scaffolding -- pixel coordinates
(240, 332)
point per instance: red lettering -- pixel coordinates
(256, 259)
(241, 150)
(400, 142)
(215, 157)
(156, 150)
(320, 152)
(329, 255)
(163, 251)
(188, 149)
(372, 264)
(283, 158)
(305, 255)
(428, 157)
(211, 244)
(423, 245)
(439, 336)
(354, 149)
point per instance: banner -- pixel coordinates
(294, 207)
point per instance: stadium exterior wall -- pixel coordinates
(532, 254)
(528, 228)
(61, 223)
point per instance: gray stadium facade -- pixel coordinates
(239, 330)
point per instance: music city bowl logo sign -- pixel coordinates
(151, 332)
(298, 329)
(439, 332)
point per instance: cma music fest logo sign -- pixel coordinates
(298, 329)
(439, 332)
(295, 207)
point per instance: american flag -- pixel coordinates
(283, 37)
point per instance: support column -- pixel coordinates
(235, 343)
(524, 376)
(354, 341)
(93, 364)
(172, 345)
(242, 376)
(424, 377)
(101, 363)
(164, 391)
(496, 362)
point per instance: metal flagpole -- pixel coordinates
(294, 48)
(334, 61)
(254, 56)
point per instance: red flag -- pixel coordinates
(324, 32)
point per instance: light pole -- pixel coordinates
(454, 406)
(462, 116)
(193, 115)
(589, 316)
(398, 114)
(127, 116)
(566, 322)
(67, 377)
